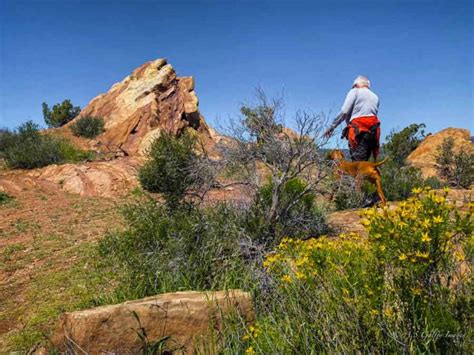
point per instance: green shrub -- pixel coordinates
(400, 144)
(398, 178)
(4, 198)
(169, 170)
(347, 195)
(88, 127)
(401, 290)
(166, 250)
(399, 181)
(456, 169)
(28, 148)
(302, 219)
(60, 114)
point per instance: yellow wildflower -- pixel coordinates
(388, 312)
(382, 247)
(458, 256)
(374, 312)
(416, 291)
(438, 219)
(425, 238)
(426, 223)
(422, 255)
(417, 190)
(287, 279)
(402, 257)
(250, 351)
(300, 275)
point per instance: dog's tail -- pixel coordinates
(381, 162)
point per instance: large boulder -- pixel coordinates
(424, 156)
(188, 320)
(152, 99)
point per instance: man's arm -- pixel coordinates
(345, 114)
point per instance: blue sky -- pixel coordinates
(418, 54)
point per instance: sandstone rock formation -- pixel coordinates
(150, 100)
(187, 318)
(423, 157)
(106, 179)
(153, 98)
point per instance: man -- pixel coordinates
(359, 111)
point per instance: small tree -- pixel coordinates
(456, 169)
(400, 144)
(60, 114)
(263, 148)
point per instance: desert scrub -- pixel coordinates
(406, 287)
(28, 148)
(456, 168)
(300, 217)
(88, 127)
(165, 250)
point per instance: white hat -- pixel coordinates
(361, 80)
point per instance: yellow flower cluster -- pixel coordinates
(298, 260)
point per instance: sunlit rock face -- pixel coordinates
(424, 156)
(150, 100)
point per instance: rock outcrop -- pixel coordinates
(105, 178)
(185, 319)
(152, 99)
(424, 156)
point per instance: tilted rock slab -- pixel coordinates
(187, 318)
(104, 178)
(150, 100)
(424, 156)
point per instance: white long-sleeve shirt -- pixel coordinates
(359, 102)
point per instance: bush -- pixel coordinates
(401, 290)
(456, 169)
(88, 127)
(170, 169)
(167, 250)
(60, 114)
(28, 148)
(399, 181)
(302, 219)
(347, 195)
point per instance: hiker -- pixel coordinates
(359, 111)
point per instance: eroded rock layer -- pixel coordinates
(152, 99)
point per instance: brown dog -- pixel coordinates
(361, 170)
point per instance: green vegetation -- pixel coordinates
(400, 290)
(88, 127)
(4, 198)
(169, 170)
(456, 168)
(28, 148)
(60, 114)
(398, 178)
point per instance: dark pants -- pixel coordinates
(366, 144)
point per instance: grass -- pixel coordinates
(49, 265)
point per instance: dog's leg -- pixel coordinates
(378, 185)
